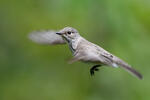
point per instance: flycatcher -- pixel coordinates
(82, 49)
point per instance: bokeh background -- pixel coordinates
(29, 71)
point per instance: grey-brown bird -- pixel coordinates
(82, 49)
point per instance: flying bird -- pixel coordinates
(82, 49)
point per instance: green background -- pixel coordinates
(29, 71)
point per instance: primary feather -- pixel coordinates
(46, 37)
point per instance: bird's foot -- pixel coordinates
(94, 68)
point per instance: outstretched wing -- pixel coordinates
(46, 37)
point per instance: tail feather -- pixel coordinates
(128, 68)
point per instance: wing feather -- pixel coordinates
(46, 37)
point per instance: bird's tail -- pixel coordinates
(128, 68)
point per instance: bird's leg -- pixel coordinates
(94, 68)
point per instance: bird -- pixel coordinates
(82, 49)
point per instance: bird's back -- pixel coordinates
(97, 53)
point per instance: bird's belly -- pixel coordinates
(91, 58)
(93, 62)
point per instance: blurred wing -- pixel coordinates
(46, 37)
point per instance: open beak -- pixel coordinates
(59, 33)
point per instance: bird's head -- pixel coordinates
(68, 33)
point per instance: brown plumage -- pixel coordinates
(83, 50)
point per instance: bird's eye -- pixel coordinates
(69, 32)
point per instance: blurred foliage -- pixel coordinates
(29, 71)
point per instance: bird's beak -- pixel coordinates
(59, 33)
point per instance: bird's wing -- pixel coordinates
(46, 37)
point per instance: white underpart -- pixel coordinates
(115, 65)
(75, 42)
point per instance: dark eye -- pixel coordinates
(69, 32)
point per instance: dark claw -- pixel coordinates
(94, 68)
(91, 72)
